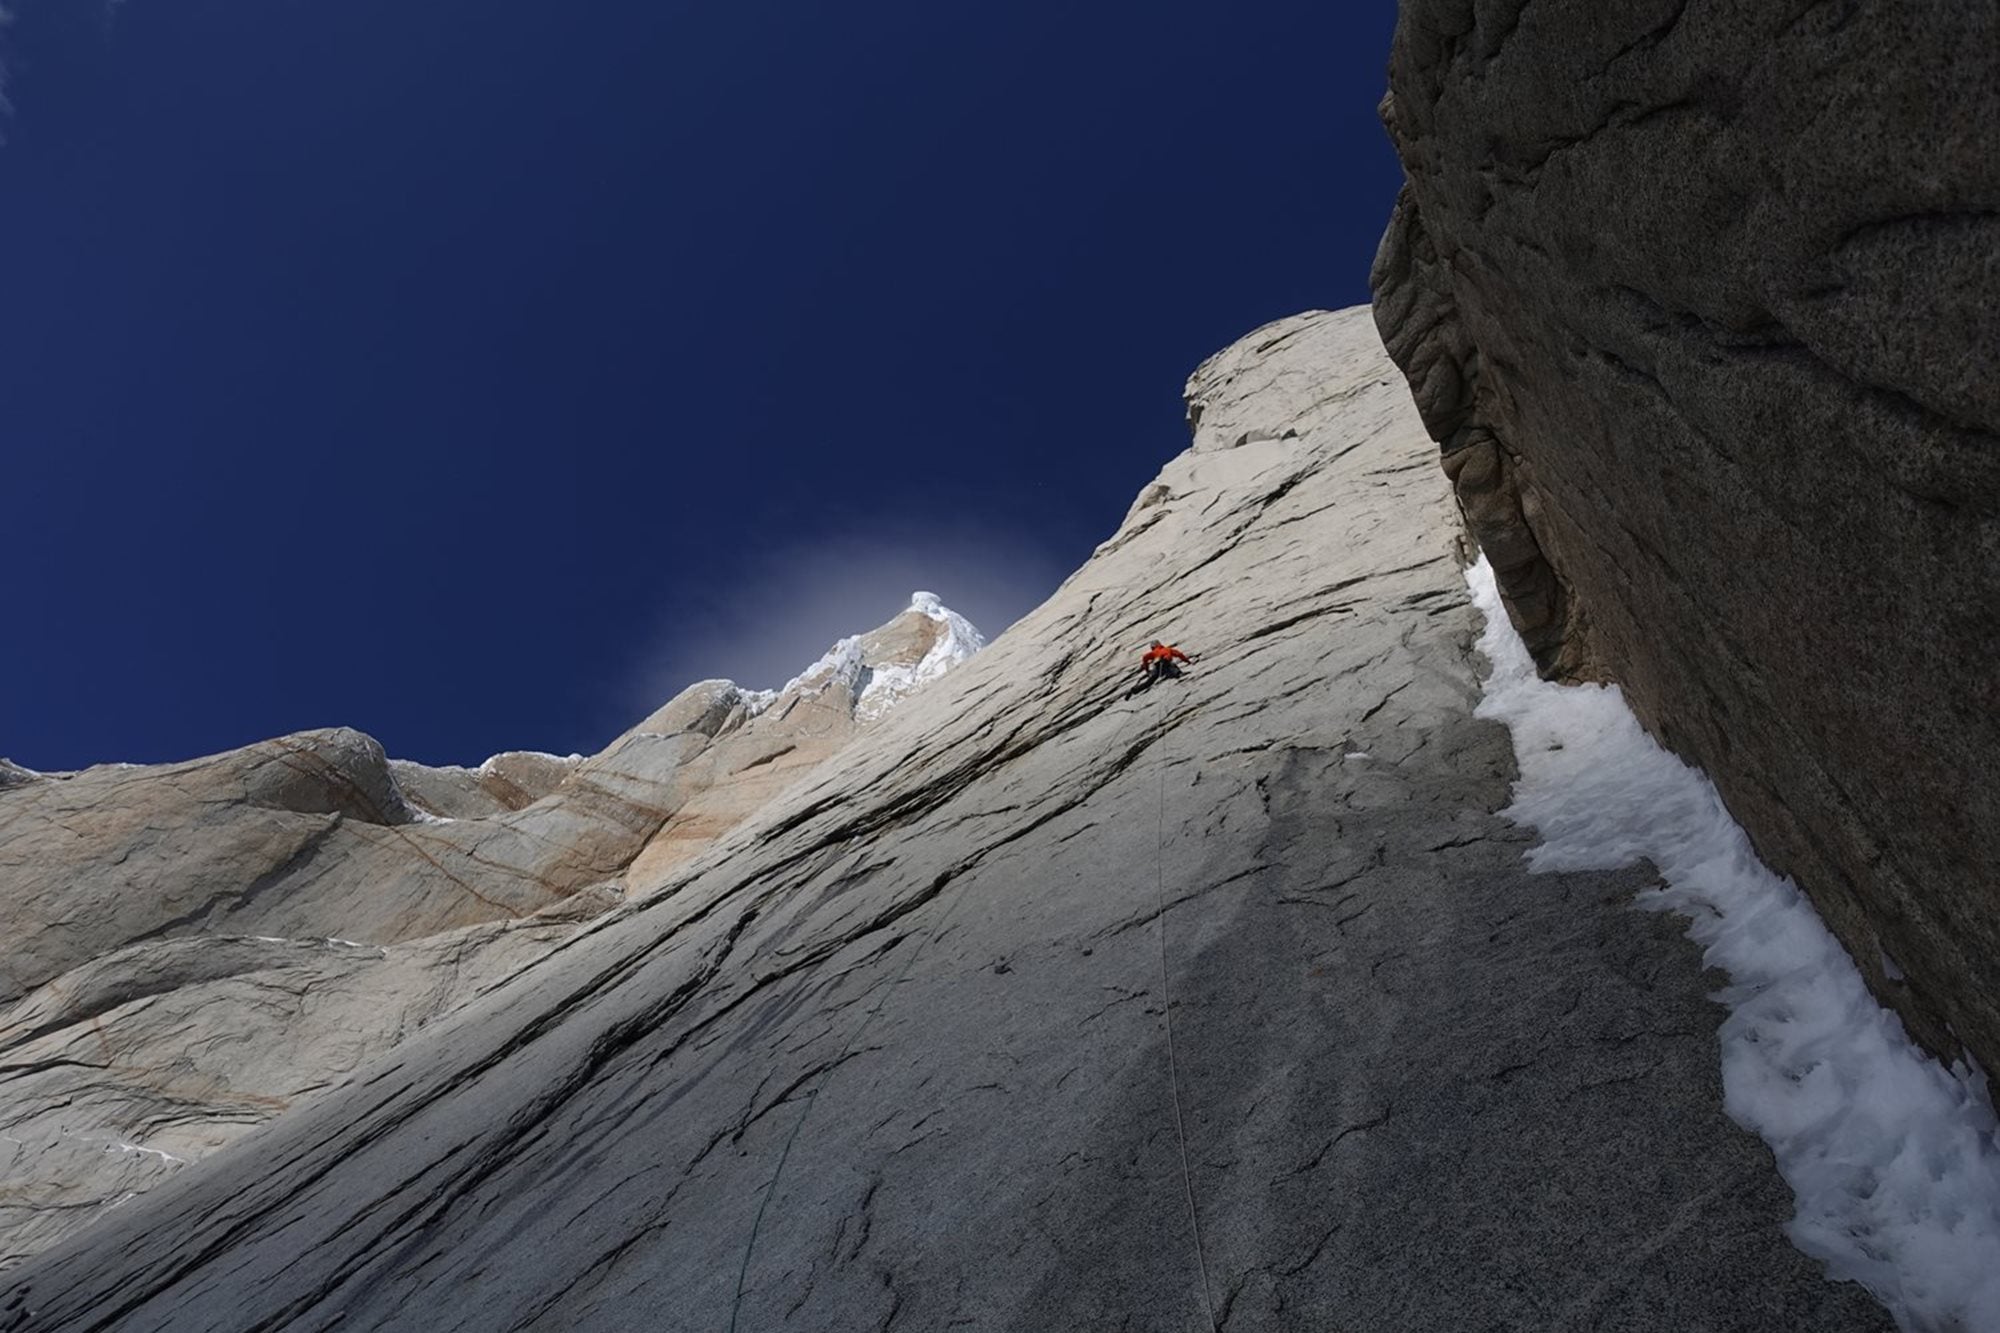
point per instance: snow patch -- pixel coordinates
(488, 764)
(838, 665)
(890, 685)
(878, 687)
(118, 1145)
(123, 1147)
(1891, 1157)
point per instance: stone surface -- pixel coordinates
(192, 949)
(926, 1026)
(758, 754)
(507, 781)
(130, 1067)
(1702, 301)
(305, 837)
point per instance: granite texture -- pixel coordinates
(1702, 302)
(1046, 1005)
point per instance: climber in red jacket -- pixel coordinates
(1159, 664)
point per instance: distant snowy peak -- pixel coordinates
(879, 669)
(957, 637)
(953, 640)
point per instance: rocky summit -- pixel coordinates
(1039, 1001)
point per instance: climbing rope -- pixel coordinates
(1173, 1062)
(1173, 1076)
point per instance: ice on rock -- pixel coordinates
(889, 685)
(839, 665)
(877, 687)
(492, 763)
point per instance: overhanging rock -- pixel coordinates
(1702, 302)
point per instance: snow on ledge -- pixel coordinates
(492, 762)
(1891, 1158)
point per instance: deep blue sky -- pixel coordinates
(478, 372)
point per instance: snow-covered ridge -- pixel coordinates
(879, 686)
(957, 641)
(1891, 1157)
(492, 762)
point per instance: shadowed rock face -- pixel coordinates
(1702, 301)
(907, 1025)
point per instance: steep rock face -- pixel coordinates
(918, 1044)
(194, 948)
(772, 741)
(124, 1070)
(1702, 301)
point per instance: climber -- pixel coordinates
(1159, 664)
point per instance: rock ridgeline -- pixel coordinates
(191, 949)
(1043, 1003)
(1702, 302)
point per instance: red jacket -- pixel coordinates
(1161, 652)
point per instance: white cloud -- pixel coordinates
(790, 601)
